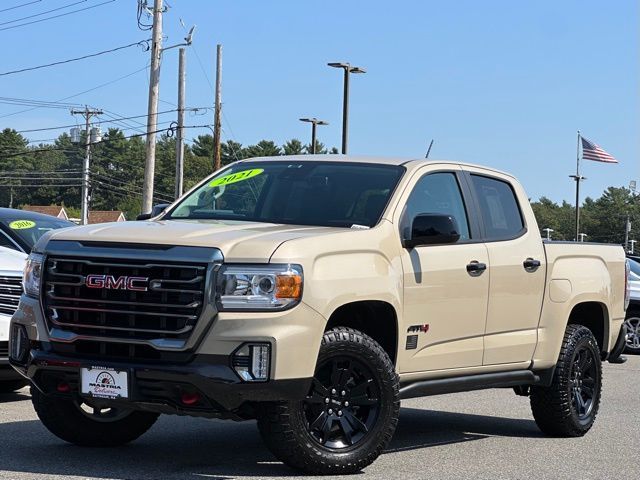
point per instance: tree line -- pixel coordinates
(50, 174)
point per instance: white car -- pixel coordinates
(632, 321)
(11, 268)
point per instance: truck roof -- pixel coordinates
(406, 161)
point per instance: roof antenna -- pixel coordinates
(429, 149)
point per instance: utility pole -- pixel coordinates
(217, 124)
(152, 112)
(180, 130)
(87, 114)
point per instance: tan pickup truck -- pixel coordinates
(313, 293)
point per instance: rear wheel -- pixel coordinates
(349, 415)
(569, 406)
(633, 334)
(87, 424)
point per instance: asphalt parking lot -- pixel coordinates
(479, 435)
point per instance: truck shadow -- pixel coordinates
(182, 448)
(14, 396)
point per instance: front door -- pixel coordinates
(445, 286)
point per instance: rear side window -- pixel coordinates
(499, 208)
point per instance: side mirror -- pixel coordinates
(157, 210)
(432, 229)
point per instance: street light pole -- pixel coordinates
(314, 123)
(348, 69)
(549, 231)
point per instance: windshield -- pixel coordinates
(335, 194)
(30, 231)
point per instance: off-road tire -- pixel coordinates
(552, 406)
(285, 428)
(9, 386)
(63, 418)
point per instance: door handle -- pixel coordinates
(531, 265)
(476, 268)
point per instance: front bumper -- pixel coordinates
(160, 387)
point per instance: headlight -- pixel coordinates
(32, 275)
(258, 287)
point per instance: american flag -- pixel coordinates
(591, 151)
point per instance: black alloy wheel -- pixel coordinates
(584, 382)
(568, 406)
(343, 404)
(349, 415)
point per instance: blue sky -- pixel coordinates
(500, 83)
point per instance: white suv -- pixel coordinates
(11, 268)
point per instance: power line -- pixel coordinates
(40, 185)
(19, 6)
(80, 93)
(36, 103)
(102, 121)
(44, 13)
(28, 69)
(39, 172)
(57, 16)
(54, 149)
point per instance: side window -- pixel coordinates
(437, 193)
(499, 208)
(5, 242)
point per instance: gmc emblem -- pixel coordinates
(137, 284)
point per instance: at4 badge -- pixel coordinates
(412, 340)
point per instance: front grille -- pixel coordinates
(10, 291)
(164, 302)
(4, 349)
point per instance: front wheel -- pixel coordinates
(349, 415)
(568, 407)
(83, 423)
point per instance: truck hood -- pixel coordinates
(239, 241)
(11, 262)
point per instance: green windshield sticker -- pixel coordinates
(22, 224)
(236, 177)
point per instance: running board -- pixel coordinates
(469, 382)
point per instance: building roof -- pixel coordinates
(105, 216)
(53, 210)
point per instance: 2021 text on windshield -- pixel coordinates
(330, 194)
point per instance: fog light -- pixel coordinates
(190, 398)
(252, 361)
(18, 344)
(63, 387)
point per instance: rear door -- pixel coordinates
(517, 260)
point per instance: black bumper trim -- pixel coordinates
(159, 387)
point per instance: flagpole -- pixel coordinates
(577, 178)
(578, 187)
